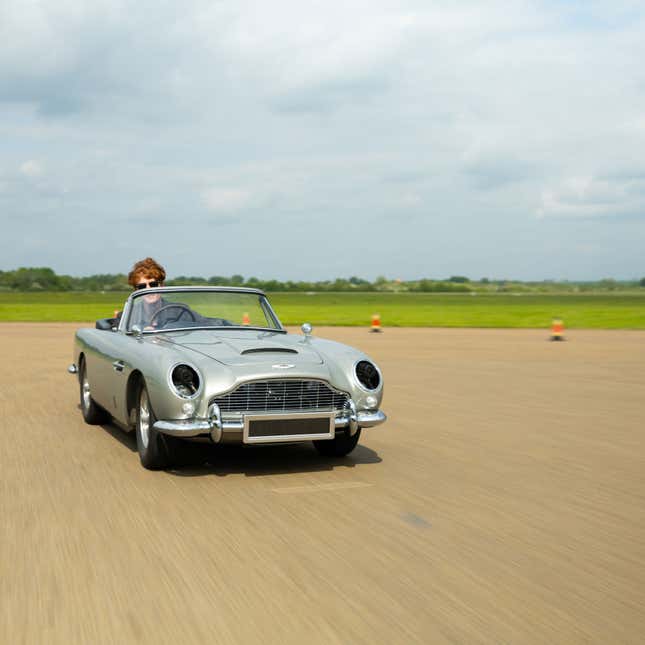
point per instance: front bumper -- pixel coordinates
(225, 430)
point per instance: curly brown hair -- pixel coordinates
(146, 268)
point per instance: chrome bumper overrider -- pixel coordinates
(370, 419)
(215, 426)
(181, 428)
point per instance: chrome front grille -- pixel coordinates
(281, 395)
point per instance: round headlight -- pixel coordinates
(185, 380)
(368, 375)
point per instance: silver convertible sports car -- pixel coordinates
(215, 364)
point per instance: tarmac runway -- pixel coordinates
(502, 502)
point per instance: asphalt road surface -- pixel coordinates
(502, 502)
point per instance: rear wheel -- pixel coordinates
(340, 446)
(151, 444)
(92, 413)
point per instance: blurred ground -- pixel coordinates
(502, 502)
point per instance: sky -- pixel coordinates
(308, 140)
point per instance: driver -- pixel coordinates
(145, 274)
(152, 311)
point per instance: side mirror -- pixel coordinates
(306, 329)
(137, 331)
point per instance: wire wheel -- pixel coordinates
(144, 418)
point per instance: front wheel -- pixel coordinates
(151, 444)
(340, 446)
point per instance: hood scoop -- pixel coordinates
(269, 350)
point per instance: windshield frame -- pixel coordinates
(263, 301)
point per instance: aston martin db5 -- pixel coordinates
(214, 364)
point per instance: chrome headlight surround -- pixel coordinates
(358, 380)
(173, 386)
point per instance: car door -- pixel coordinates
(108, 370)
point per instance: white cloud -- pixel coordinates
(31, 168)
(587, 196)
(225, 200)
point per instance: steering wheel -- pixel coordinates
(173, 305)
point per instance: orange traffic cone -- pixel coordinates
(245, 319)
(557, 329)
(376, 323)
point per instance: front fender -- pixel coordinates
(341, 360)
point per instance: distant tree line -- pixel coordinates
(45, 279)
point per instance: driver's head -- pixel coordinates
(146, 274)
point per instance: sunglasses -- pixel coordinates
(144, 285)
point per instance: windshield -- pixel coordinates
(165, 310)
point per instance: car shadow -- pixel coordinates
(127, 439)
(201, 459)
(193, 460)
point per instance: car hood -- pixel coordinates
(247, 347)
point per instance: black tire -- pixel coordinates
(151, 444)
(92, 413)
(342, 445)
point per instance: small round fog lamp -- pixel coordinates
(370, 401)
(188, 408)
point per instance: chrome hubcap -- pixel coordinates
(144, 419)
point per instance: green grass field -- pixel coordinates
(356, 309)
